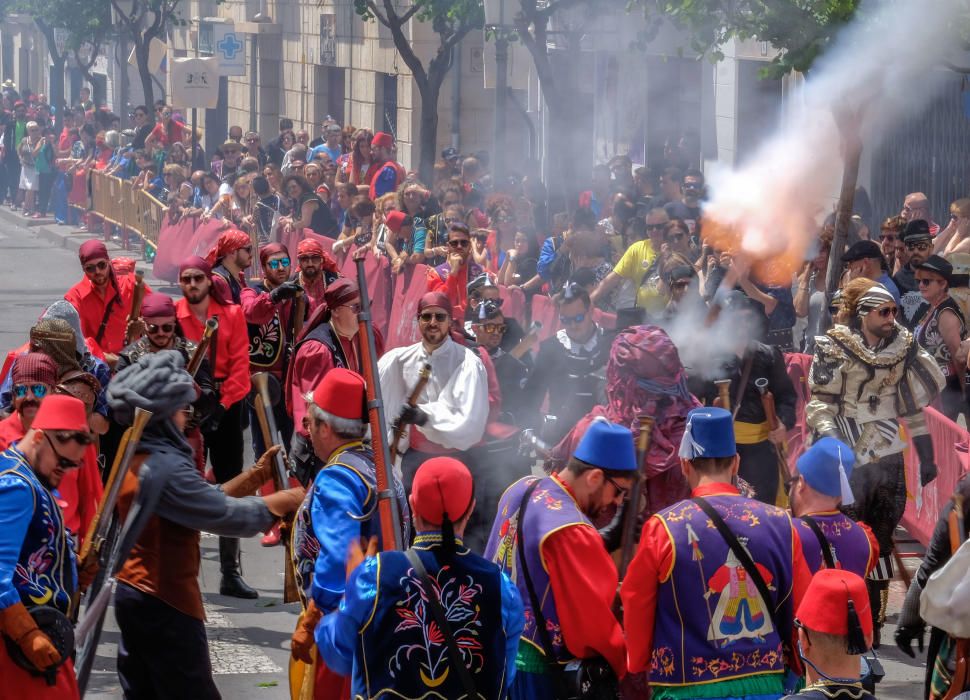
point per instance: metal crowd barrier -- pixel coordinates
(132, 210)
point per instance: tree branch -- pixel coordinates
(372, 6)
(404, 47)
(406, 17)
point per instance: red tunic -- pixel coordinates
(11, 430)
(17, 683)
(79, 493)
(232, 347)
(653, 563)
(91, 306)
(581, 571)
(455, 286)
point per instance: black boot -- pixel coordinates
(232, 583)
(878, 598)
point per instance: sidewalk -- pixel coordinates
(68, 237)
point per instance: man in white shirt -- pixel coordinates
(451, 413)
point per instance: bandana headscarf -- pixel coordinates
(310, 246)
(229, 242)
(219, 290)
(439, 299)
(339, 292)
(92, 250)
(874, 297)
(55, 338)
(34, 367)
(195, 262)
(271, 249)
(123, 266)
(65, 311)
(157, 305)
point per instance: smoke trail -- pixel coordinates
(880, 68)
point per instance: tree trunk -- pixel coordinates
(852, 148)
(428, 139)
(57, 91)
(147, 86)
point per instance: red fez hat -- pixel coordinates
(341, 291)
(395, 220)
(439, 299)
(61, 412)
(382, 138)
(271, 249)
(34, 367)
(157, 305)
(837, 602)
(92, 250)
(309, 246)
(442, 488)
(194, 262)
(342, 393)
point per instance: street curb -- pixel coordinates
(64, 236)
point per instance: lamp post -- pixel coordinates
(498, 22)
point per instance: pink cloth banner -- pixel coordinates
(180, 240)
(409, 287)
(513, 304)
(545, 312)
(923, 505)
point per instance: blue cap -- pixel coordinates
(607, 446)
(709, 433)
(826, 467)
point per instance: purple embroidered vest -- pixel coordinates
(711, 623)
(551, 508)
(847, 540)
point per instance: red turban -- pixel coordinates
(340, 292)
(439, 299)
(194, 262)
(123, 266)
(157, 305)
(92, 250)
(271, 249)
(311, 246)
(229, 242)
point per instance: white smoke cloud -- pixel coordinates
(882, 67)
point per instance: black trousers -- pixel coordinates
(224, 446)
(879, 489)
(13, 178)
(163, 653)
(759, 467)
(44, 195)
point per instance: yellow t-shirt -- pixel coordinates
(633, 266)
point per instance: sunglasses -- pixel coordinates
(887, 312)
(568, 320)
(459, 243)
(682, 284)
(164, 327)
(62, 461)
(655, 227)
(918, 246)
(925, 281)
(428, 317)
(189, 279)
(888, 237)
(278, 263)
(38, 390)
(620, 491)
(354, 308)
(312, 259)
(96, 267)
(492, 327)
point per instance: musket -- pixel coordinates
(632, 515)
(723, 399)
(299, 311)
(768, 403)
(387, 508)
(263, 403)
(423, 377)
(137, 297)
(211, 326)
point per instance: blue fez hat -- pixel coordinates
(826, 467)
(607, 446)
(709, 433)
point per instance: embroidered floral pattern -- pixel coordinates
(425, 641)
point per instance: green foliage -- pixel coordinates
(446, 16)
(800, 29)
(84, 21)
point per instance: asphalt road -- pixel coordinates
(249, 640)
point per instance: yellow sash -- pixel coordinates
(750, 433)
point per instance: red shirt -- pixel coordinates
(91, 306)
(582, 575)
(654, 562)
(231, 347)
(11, 430)
(166, 137)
